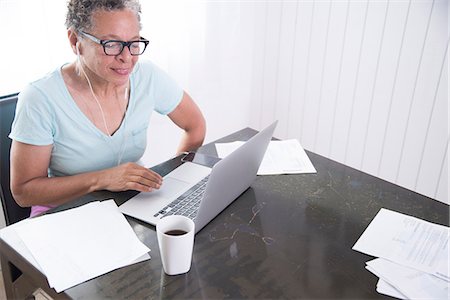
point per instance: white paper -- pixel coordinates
(281, 157)
(9, 235)
(408, 241)
(386, 289)
(409, 282)
(79, 244)
(225, 149)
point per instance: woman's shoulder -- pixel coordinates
(47, 82)
(40, 89)
(49, 79)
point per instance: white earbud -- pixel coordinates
(78, 57)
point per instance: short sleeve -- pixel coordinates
(33, 119)
(166, 92)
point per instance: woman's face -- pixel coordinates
(121, 25)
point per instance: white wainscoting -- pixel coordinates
(362, 82)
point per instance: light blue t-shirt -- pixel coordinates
(46, 114)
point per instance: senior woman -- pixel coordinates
(83, 127)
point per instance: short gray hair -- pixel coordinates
(79, 12)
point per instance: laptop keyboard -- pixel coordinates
(187, 204)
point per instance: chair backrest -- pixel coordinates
(12, 211)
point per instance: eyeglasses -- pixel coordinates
(114, 47)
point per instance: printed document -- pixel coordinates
(281, 157)
(409, 282)
(407, 241)
(413, 256)
(385, 288)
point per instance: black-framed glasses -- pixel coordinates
(115, 47)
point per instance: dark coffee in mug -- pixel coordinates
(176, 232)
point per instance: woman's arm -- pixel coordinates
(188, 117)
(30, 184)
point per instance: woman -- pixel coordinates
(82, 128)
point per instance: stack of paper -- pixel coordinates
(76, 245)
(281, 157)
(413, 256)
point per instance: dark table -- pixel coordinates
(287, 236)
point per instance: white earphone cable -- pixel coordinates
(122, 150)
(122, 147)
(92, 91)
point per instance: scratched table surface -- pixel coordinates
(287, 236)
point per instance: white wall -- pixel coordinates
(361, 82)
(206, 47)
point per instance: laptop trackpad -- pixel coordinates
(171, 187)
(145, 205)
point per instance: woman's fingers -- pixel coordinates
(131, 176)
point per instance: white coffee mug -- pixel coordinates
(176, 242)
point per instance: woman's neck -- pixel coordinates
(102, 88)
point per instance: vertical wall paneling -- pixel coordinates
(260, 24)
(410, 104)
(414, 139)
(442, 192)
(364, 89)
(286, 50)
(345, 95)
(300, 65)
(307, 76)
(436, 137)
(388, 55)
(396, 62)
(271, 62)
(325, 65)
(409, 62)
(317, 51)
(376, 75)
(338, 83)
(292, 83)
(331, 75)
(361, 82)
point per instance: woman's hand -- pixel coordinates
(129, 176)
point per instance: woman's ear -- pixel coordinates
(74, 41)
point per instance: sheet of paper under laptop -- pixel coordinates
(281, 157)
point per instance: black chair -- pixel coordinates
(12, 211)
(22, 287)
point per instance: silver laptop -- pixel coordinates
(200, 192)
